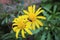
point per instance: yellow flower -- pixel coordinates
(21, 25)
(33, 16)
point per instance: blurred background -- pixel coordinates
(9, 9)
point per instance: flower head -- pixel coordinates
(33, 16)
(21, 25)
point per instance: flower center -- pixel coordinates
(21, 25)
(32, 17)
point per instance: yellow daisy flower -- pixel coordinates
(21, 25)
(33, 16)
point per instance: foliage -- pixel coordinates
(50, 30)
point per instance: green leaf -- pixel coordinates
(12, 15)
(38, 37)
(49, 18)
(56, 37)
(37, 30)
(5, 21)
(43, 0)
(48, 36)
(45, 14)
(19, 38)
(54, 9)
(57, 13)
(47, 8)
(43, 36)
(8, 36)
(16, 0)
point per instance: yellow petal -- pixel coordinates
(14, 20)
(33, 26)
(39, 22)
(17, 33)
(24, 16)
(15, 29)
(39, 12)
(25, 11)
(41, 17)
(34, 8)
(28, 31)
(23, 35)
(30, 9)
(28, 25)
(37, 25)
(14, 24)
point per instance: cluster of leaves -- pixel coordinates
(6, 18)
(50, 30)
